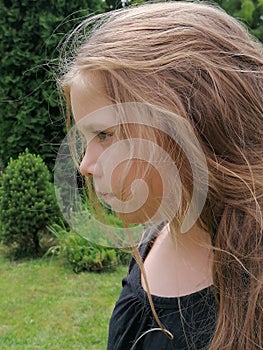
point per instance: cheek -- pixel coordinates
(157, 183)
(122, 178)
(126, 188)
(126, 173)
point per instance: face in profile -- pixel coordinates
(125, 170)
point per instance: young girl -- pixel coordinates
(174, 90)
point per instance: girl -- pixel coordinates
(192, 79)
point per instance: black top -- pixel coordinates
(191, 318)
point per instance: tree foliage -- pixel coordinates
(27, 203)
(248, 11)
(116, 4)
(30, 32)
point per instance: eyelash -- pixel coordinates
(102, 135)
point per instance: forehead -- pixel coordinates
(87, 94)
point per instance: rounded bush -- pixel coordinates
(27, 203)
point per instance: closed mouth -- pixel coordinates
(106, 195)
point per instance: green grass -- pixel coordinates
(44, 305)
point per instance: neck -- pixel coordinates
(179, 264)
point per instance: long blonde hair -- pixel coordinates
(196, 61)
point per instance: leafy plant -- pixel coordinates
(248, 11)
(82, 255)
(27, 204)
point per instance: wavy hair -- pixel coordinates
(194, 60)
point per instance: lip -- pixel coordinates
(107, 196)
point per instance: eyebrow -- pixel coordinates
(91, 127)
(98, 122)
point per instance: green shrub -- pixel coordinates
(29, 43)
(27, 204)
(82, 255)
(111, 219)
(123, 256)
(248, 11)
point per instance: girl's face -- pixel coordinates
(107, 159)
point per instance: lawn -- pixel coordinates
(44, 305)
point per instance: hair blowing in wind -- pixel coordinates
(194, 60)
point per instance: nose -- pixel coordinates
(89, 165)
